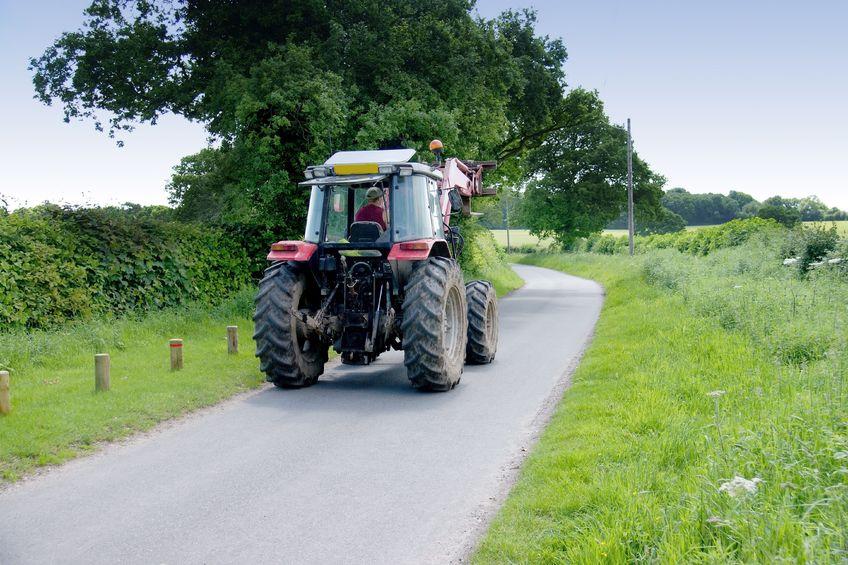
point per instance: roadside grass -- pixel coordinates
(502, 277)
(56, 415)
(630, 467)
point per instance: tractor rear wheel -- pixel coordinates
(482, 322)
(434, 324)
(289, 356)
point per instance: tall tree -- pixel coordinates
(580, 174)
(281, 83)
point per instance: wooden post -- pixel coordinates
(5, 401)
(176, 354)
(101, 372)
(232, 340)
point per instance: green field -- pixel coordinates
(520, 237)
(517, 238)
(841, 227)
(702, 369)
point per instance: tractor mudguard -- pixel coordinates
(418, 250)
(292, 251)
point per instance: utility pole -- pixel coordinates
(506, 220)
(631, 227)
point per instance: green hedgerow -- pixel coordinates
(59, 264)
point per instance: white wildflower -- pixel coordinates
(717, 522)
(739, 486)
(716, 393)
(790, 261)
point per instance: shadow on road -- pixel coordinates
(380, 387)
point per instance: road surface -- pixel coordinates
(359, 468)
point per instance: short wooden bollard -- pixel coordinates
(101, 372)
(176, 354)
(232, 340)
(5, 401)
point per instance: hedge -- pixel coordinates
(700, 241)
(59, 264)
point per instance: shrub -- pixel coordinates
(787, 216)
(706, 240)
(810, 244)
(58, 264)
(665, 222)
(481, 252)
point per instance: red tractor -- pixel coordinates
(377, 270)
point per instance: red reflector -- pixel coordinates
(415, 246)
(283, 247)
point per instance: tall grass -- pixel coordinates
(702, 369)
(56, 415)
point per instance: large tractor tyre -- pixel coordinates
(482, 322)
(288, 357)
(434, 325)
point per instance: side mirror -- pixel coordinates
(455, 202)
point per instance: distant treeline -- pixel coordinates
(712, 208)
(682, 208)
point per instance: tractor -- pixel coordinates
(377, 270)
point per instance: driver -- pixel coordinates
(373, 210)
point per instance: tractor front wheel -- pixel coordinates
(289, 356)
(434, 324)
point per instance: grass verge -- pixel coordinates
(55, 413)
(631, 466)
(504, 279)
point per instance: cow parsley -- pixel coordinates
(739, 486)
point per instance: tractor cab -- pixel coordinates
(373, 200)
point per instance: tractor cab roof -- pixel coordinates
(355, 167)
(361, 157)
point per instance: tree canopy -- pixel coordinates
(280, 84)
(579, 175)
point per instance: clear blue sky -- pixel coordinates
(745, 95)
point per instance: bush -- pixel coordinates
(706, 240)
(696, 242)
(787, 216)
(810, 244)
(665, 222)
(481, 252)
(58, 264)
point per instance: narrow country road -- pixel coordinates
(357, 469)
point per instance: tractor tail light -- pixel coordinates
(411, 250)
(415, 246)
(284, 246)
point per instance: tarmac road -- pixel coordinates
(360, 468)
